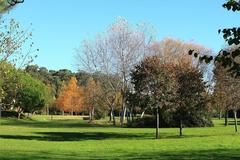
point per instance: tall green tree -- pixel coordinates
(191, 98)
(32, 94)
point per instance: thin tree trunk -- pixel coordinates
(123, 112)
(123, 115)
(128, 116)
(180, 128)
(90, 115)
(110, 116)
(132, 117)
(157, 123)
(63, 113)
(93, 113)
(132, 114)
(226, 118)
(47, 110)
(220, 115)
(142, 114)
(19, 115)
(235, 119)
(114, 120)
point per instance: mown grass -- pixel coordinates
(71, 138)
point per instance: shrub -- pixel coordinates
(11, 114)
(150, 122)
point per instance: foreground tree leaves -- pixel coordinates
(229, 58)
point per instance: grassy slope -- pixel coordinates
(73, 139)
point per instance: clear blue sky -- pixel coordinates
(60, 26)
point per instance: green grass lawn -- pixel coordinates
(72, 138)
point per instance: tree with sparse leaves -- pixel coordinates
(227, 92)
(114, 53)
(92, 98)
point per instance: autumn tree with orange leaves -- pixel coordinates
(71, 97)
(92, 97)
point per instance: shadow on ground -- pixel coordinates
(53, 123)
(230, 122)
(82, 136)
(214, 154)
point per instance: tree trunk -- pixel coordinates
(226, 118)
(123, 112)
(114, 120)
(92, 113)
(142, 114)
(111, 115)
(121, 118)
(128, 112)
(47, 110)
(180, 128)
(19, 115)
(131, 114)
(63, 113)
(235, 119)
(132, 117)
(157, 123)
(220, 115)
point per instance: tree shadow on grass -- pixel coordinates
(82, 136)
(230, 122)
(213, 154)
(77, 136)
(53, 123)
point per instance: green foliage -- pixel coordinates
(11, 114)
(8, 85)
(228, 58)
(233, 5)
(191, 98)
(22, 91)
(55, 79)
(32, 95)
(149, 121)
